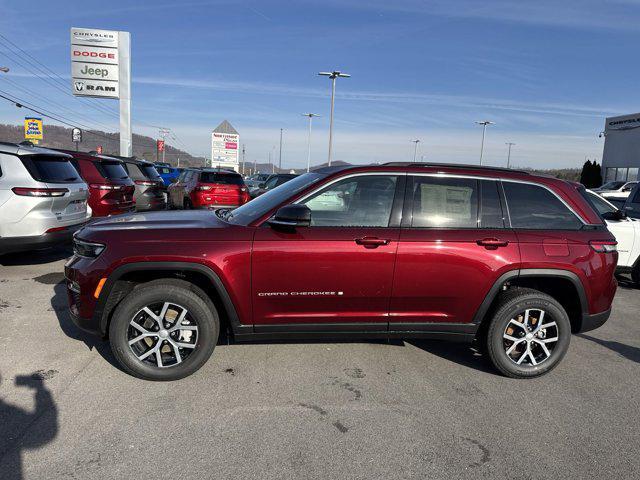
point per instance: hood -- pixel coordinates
(173, 220)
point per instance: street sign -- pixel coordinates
(33, 129)
(160, 145)
(76, 135)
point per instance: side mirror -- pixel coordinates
(291, 216)
(616, 215)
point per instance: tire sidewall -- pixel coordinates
(508, 311)
(208, 330)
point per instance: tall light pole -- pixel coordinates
(509, 144)
(310, 116)
(415, 150)
(484, 124)
(4, 69)
(244, 161)
(332, 75)
(280, 154)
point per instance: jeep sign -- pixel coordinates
(95, 63)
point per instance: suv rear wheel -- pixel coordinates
(528, 334)
(635, 274)
(163, 331)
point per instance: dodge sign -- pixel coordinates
(95, 58)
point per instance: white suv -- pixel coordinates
(627, 233)
(43, 199)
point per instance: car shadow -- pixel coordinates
(60, 306)
(461, 353)
(627, 351)
(36, 257)
(626, 282)
(21, 429)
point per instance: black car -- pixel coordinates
(632, 204)
(272, 182)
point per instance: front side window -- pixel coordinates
(534, 207)
(362, 201)
(440, 202)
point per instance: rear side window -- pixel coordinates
(536, 208)
(51, 169)
(111, 170)
(445, 202)
(223, 178)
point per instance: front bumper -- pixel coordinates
(593, 321)
(38, 242)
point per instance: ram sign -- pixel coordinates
(95, 58)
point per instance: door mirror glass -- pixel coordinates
(291, 216)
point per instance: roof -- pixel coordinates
(454, 165)
(226, 127)
(27, 149)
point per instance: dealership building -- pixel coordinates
(621, 156)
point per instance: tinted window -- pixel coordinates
(534, 207)
(51, 169)
(598, 203)
(636, 196)
(612, 185)
(491, 215)
(223, 178)
(149, 171)
(445, 202)
(363, 201)
(111, 170)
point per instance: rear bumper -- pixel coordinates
(593, 321)
(47, 240)
(144, 205)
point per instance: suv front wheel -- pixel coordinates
(528, 334)
(163, 331)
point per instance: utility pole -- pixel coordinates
(415, 150)
(510, 144)
(484, 124)
(280, 154)
(310, 116)
(332, 75)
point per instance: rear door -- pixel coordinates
(336, 273)
(454, 245)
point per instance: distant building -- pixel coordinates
(225, 142)
(621, 156)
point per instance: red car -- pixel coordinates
(513, 261)
(110, 188)
(208, 188)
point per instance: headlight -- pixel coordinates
(87, 249)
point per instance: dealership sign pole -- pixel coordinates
(101, 68)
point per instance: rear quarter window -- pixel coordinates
(536, 208)
(51, 169)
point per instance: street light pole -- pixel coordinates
(332, 75)
(484, 124)
(4, 69)
(310, 116)
(415, 150)
(510, 144)
(280, 154)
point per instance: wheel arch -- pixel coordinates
(563, 285)
(125, 277)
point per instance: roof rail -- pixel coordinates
(453, 165)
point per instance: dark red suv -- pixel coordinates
(110, 188)
(513, 261)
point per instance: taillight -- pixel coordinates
(39, 192)
(244, 189)
(105, 187)
(203, 188)
(604, 246)
(146, 183)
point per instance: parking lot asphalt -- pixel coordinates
(306, 410)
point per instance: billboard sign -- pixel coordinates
(95, 63)
(224, 149)
(33, 129)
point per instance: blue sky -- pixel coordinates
(546, 72)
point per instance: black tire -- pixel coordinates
(512, 304)
(200, 313)
(635, 274)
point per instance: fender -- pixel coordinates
(531, 272)
(120, 271)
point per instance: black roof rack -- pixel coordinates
(453, 165)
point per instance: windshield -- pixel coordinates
(611, 185)
(112, 170)
(256, 208)
(51, 168)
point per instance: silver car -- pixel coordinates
(43, 199)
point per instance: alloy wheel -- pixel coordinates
(529, 338)
(162, 334)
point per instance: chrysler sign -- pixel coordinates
(95, 59)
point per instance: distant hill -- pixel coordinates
(60, 137)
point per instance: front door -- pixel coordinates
(340, 268)
(453, 247)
